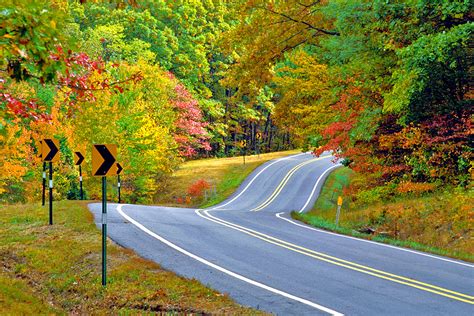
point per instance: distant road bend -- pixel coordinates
(248, 246)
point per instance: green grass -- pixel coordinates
(56, 270)
(230, 181)
(223, 174)
(332, 189)
(16, 297)
(438, 222)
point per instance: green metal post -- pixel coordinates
(118, 187)
(80, 182)
(104, 231)
(50, 193)
(44, 184)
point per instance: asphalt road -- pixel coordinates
(250, 248)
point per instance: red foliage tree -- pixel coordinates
(190, 134)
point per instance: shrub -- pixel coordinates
(197, 188)
(414, 187)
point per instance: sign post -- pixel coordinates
(50, 153)
(104, 231)
(339, 204)
(258, 136)
(44, 183)
(119, 170)
(103, 164)
(243, 144)
(78, 162)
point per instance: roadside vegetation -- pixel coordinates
(57, 270)
(206, 182)
(440, 222)
(382, 84)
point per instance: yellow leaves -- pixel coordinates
(14, 152)
(389, 142)
(415, 187)
(408, 137)
(304, 85)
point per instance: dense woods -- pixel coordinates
(383, 84)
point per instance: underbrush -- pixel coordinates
(439, 221)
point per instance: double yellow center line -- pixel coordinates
(343, 263)
(283, 182)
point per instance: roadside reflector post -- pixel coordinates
(119, 185)
(258, 137)
(243, 145)
(50, 153)
(103, 164)
(78, 162)
(338, 212)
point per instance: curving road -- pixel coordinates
(250, 248)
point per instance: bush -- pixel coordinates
(376, 194)
(414, 187)
(197, 188)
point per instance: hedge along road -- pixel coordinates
(267, 262)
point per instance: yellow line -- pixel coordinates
(347, 264)
(281, 185)
(283, 182)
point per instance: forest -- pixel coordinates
(385, 85)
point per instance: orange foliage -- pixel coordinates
(415, 187)
(198, 187)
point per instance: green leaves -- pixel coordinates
(430, 70)
(28, 32)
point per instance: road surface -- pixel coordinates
(250, 248)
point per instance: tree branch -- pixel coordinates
(334, 33)
(135, 77)
(307, 5)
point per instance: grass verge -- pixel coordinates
(223, 174)
(56, 270)
(438, 222)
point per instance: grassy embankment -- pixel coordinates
(223, 174)
(438, 222)
(56, 270)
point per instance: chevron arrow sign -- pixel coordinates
(50, 150)
(103, 160)
(79, 158)
(40, 149)
(119, 168)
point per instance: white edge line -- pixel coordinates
(219, 268)
(359, 239)
(316, 185)
(253, 179)
(372, 242)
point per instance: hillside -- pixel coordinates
(440, 222)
